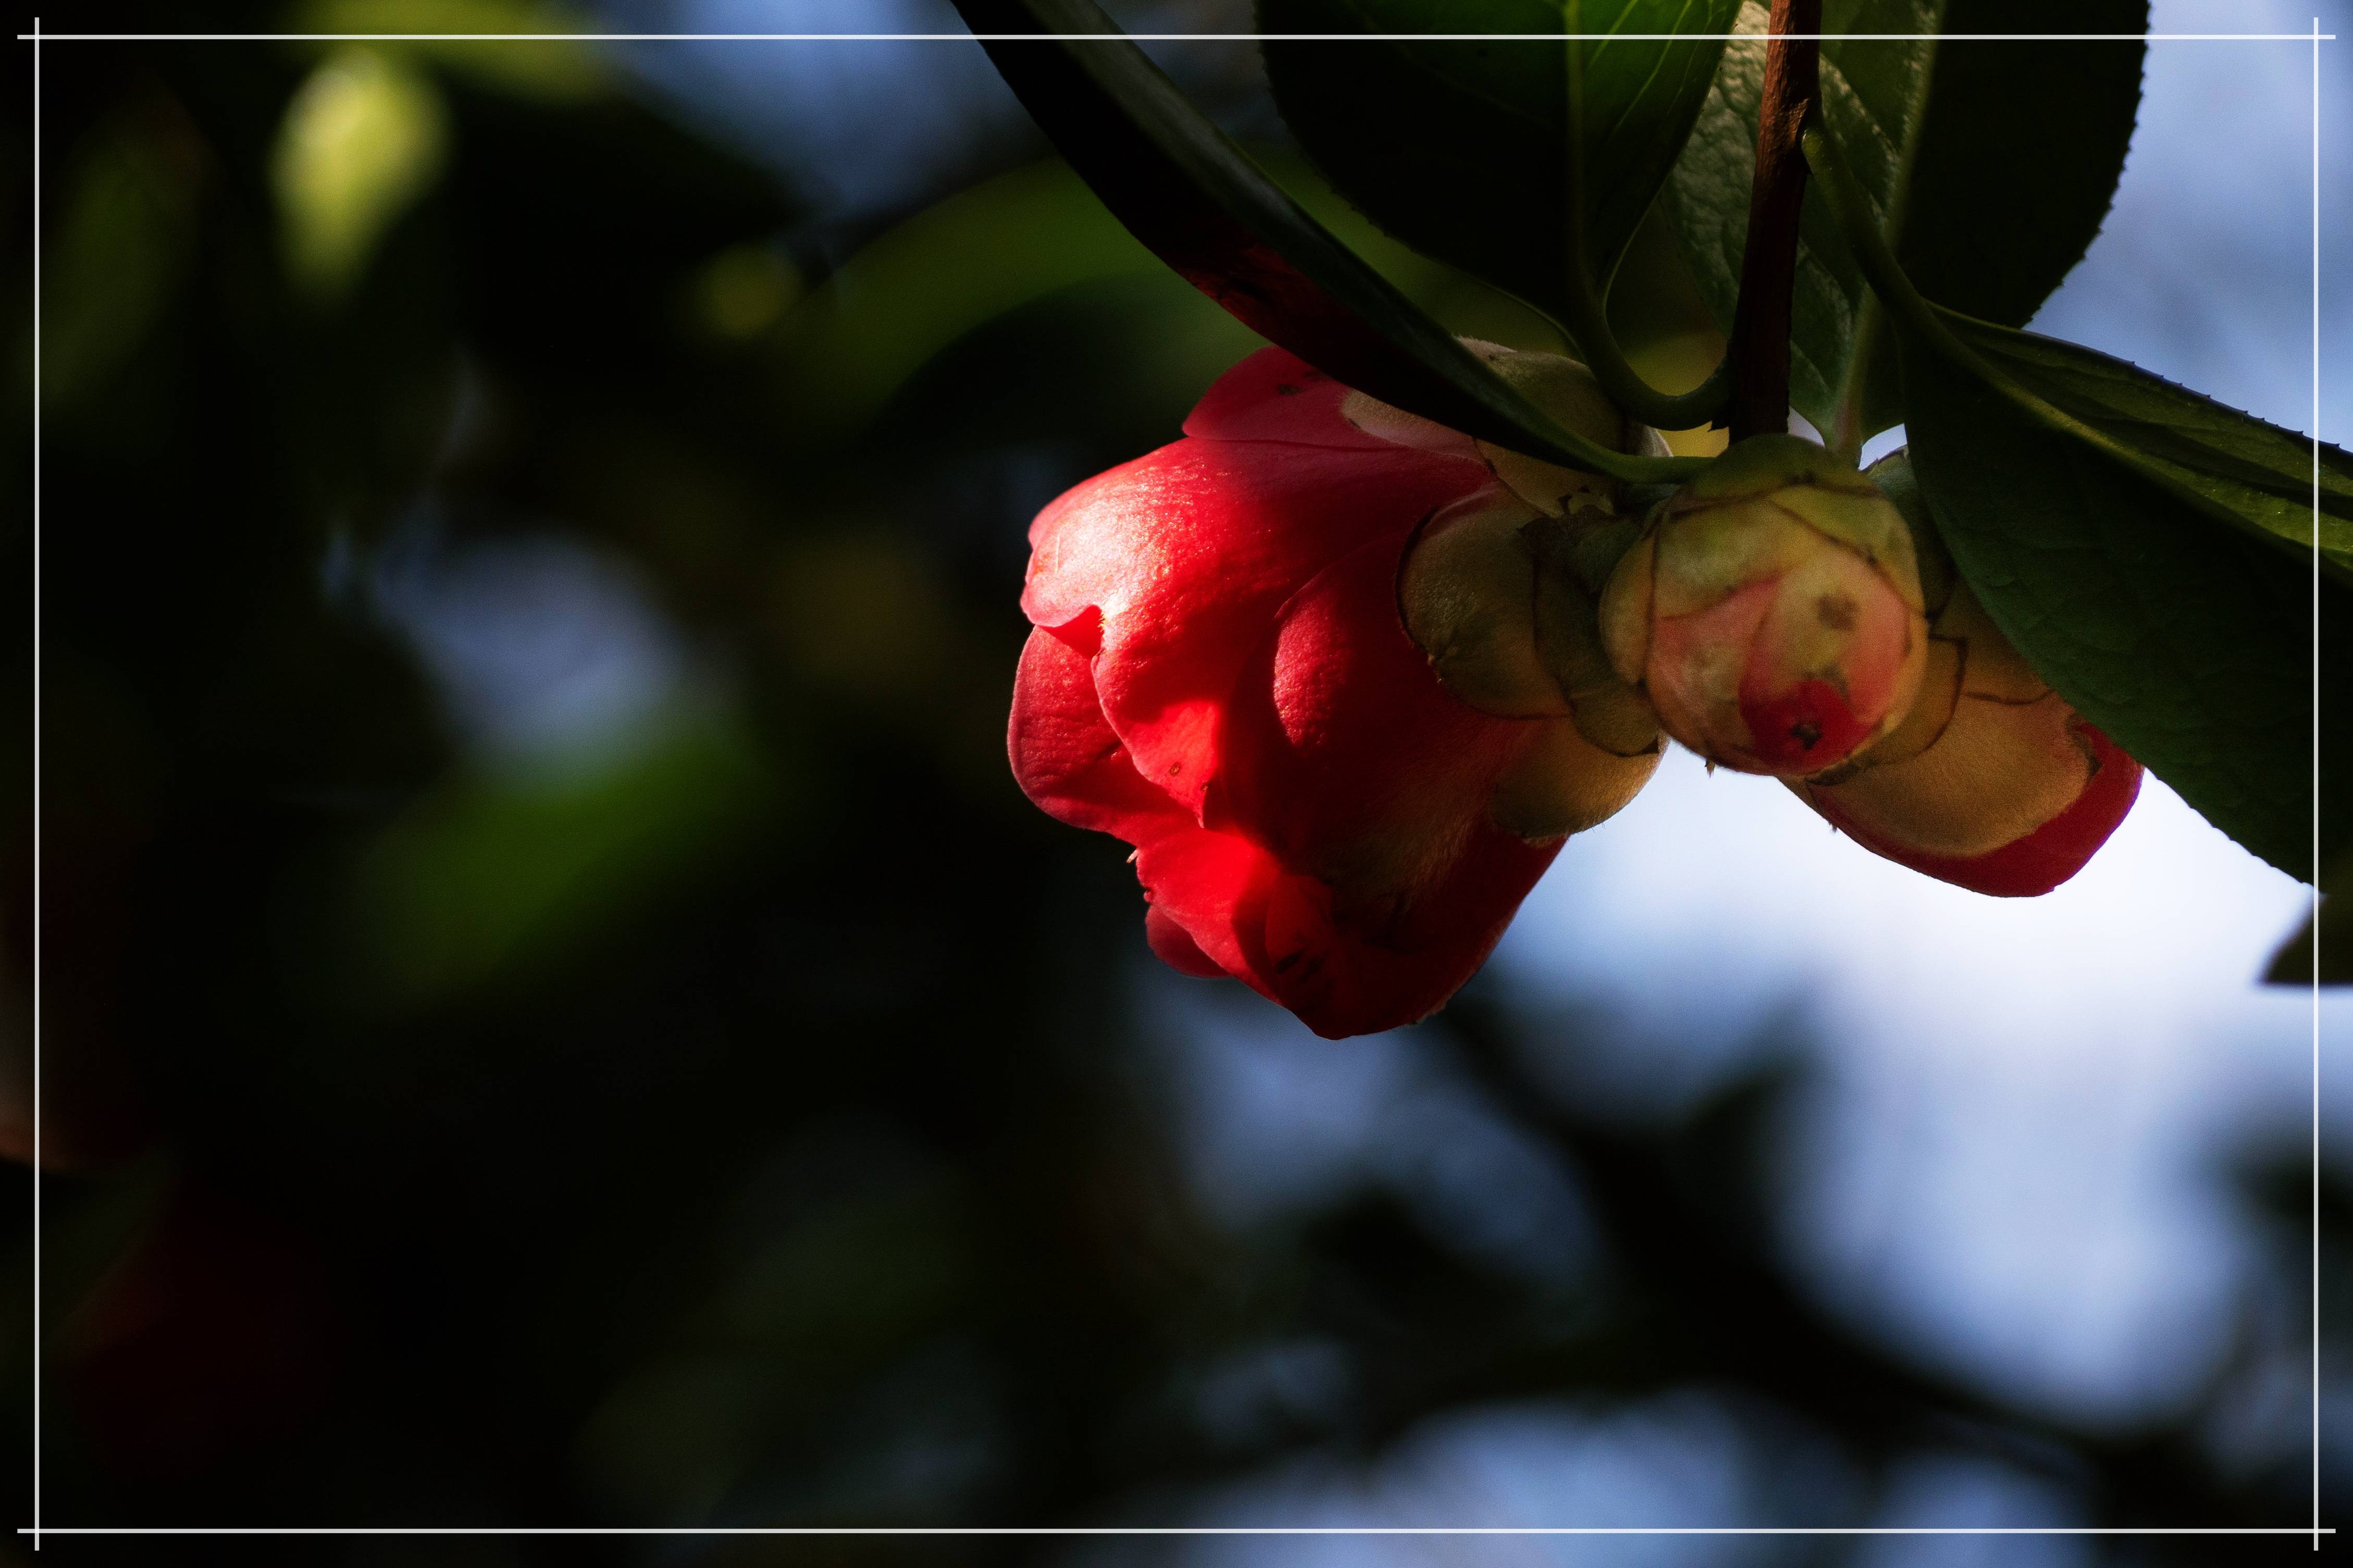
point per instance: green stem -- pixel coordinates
(1588, 325)
(1763, 316)
(1845, 436)
(1860, 229)
(1575, 451)
(1587, 309)
(1857, 226)
(1639, 470)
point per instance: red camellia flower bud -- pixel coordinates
(1771, 611)
(1219, 674)
(1992, 782)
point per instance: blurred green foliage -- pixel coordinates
(485, 876)
(734, 1109)
(363, 140)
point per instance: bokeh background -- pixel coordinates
(555, 1011)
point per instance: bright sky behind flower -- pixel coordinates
(2008, 1165)
(2012, 1167)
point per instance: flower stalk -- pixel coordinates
(1769, 262)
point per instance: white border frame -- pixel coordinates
(37, 1529)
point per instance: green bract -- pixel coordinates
(1499, 590)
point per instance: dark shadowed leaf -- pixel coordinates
(2017, 157)
(2330, 927)
(1495, 156)
(2192, 645)
(1990, 165)
(2247, 473)
(1199, 204)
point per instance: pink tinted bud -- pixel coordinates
(1771, 612)
(1906, 813)
(1992, 782)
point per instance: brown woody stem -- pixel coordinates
(1768, 265)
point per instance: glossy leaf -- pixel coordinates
(853, 342)
(2233, 466)
(1199, 204)
(2192, 645)
(1990, 165)
(1496, 157)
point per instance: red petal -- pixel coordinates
(2030, 867)
(1275, 396)
(1066, 758)
(1344, 865)
(1174, 947)
(1213, 888)
(1187, 554)
(1369, 785)
(1805, 726)
(1345, 753)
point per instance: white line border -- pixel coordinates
(1162, 37)
(1085, 1530)
(37, 1530)
(2316, 784)
(37, 1340)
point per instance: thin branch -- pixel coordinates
(1768, 265)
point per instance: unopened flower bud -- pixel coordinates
(1992, 782)
(1218, 673)
(1771, 611)
(1499, 591)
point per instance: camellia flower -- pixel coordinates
(1771, 612)
(1992, 782)
(1221, 675)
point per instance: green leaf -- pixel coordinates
(1199, 204)
(516, 874)
(1494, 157)
(1990, 166)
(2192, 646)
(2231, 464)
(1036, 232)
(2330, 927)
(2019, 155)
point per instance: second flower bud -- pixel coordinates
(1771, 611)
